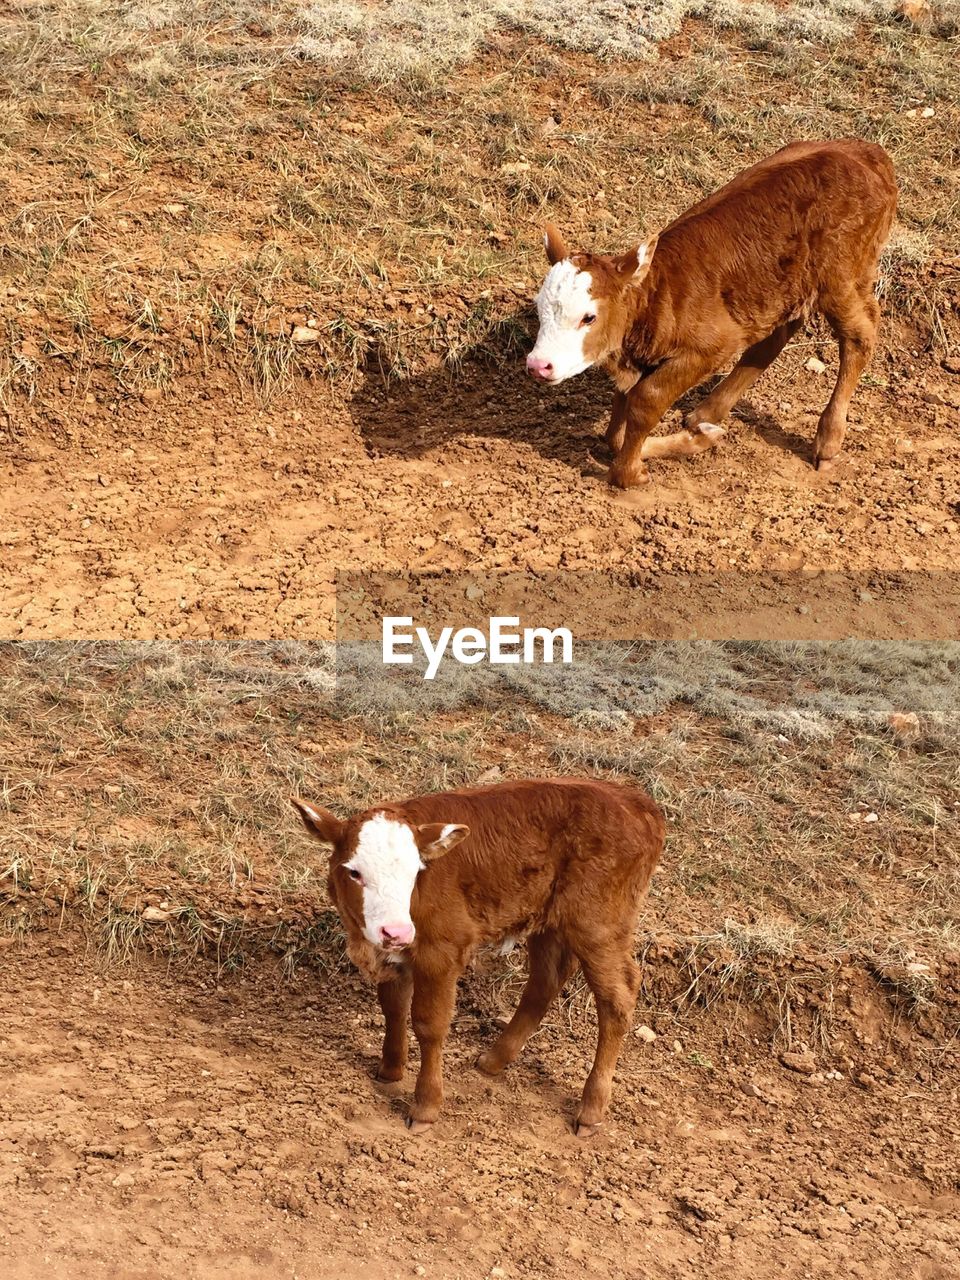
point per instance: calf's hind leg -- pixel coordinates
(854, 320)
(614, 978)
(743, 375)
(551, 964)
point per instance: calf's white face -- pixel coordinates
(567, 310)
(383, 855)
(386, 864)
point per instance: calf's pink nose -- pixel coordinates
(537, 367)
(396, 935)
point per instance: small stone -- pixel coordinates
(111, 789)
(804, 1062)
(303, 334)
(677, 1047)
(153, 915)
(815, 365)
(750, 1089)
(870, 817)
(646, 1034)
(865, 1080)
(124, 1180)
(150, 395)
(905, 725)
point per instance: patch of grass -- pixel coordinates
(146, 789)
(176, 136)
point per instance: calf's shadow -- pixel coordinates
(489, 396)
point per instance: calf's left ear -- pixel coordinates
(633, 266)
(437, 838)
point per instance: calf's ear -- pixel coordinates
(633, 266)
(319, 822)
(437, 838)
(554, 244)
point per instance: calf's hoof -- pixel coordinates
(698, 437)
(389, 1075)
(827, 444)
(623, 476)
(418, 1126)
(489, 1063)
(584, 1131)
(707, 435)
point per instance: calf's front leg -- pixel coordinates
(618, 419)
(434, 998)
(646, 404)
(394, 1000)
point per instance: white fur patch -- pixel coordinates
(564, 299)
(388, 859)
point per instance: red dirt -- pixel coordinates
(198, 516)
(157, 1124)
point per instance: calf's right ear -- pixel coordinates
(319, 822)
(554, 244)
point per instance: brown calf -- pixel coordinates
(422, 884)
(741, 271)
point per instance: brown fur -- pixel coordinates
(564, 861)
(741, 271)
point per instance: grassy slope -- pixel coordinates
(187, 182)
(158, 776)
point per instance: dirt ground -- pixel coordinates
(197, 517)
(201, 1124)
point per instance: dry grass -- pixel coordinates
(158, 775)
(185, 187)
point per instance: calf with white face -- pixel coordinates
(737, 275)
(421, 885)
(373, 871)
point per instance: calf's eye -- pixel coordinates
(588, 319)
(354, 874)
